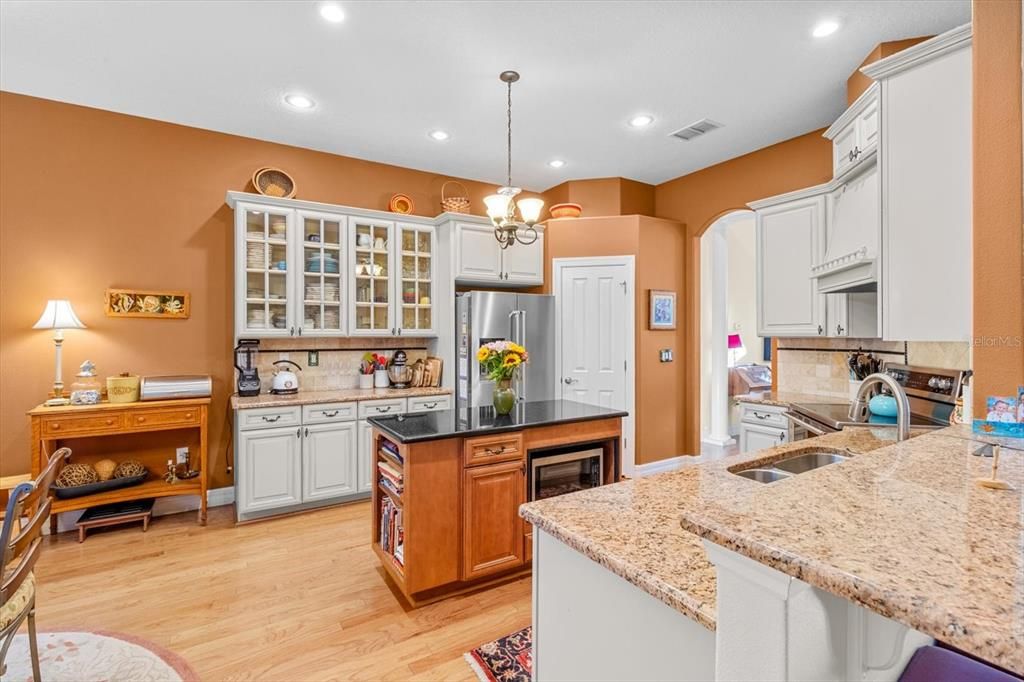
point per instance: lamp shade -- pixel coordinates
(735, 341)
(58, 315)
(497, 205)
(530, 209)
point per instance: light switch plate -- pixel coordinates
(665, 355)
(313, 358)
(181, 455)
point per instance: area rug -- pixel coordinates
(96, 656)
(507, 659)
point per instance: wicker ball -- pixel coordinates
(128, 469)
(105, 469)
(76, 474)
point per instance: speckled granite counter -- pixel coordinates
(632, 528)
(903, 531)
(346, 395)
(785, 398)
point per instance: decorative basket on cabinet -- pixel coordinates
(455, 204)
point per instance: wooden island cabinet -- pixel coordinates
(447, 487)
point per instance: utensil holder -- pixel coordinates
(380, 379)
(365, 381)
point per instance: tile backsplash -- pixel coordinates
(818, 366)
(338, 366)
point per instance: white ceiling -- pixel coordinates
(393, 71)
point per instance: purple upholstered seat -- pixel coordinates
(934, 664)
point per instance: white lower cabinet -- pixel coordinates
(765, 426)
(755, 437)
(269, 469)
(364, 473)
(328, 461)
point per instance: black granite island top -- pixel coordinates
(474, 421)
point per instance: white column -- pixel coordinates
(719, 433)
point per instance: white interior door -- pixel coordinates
(595, 316)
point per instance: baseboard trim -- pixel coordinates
(661, 466)
(215, 497)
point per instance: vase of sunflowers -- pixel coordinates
(502, 360)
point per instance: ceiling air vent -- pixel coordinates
(705, 125)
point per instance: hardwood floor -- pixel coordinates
(295, 598)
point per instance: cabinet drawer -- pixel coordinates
(268, 417)
(376, 408)
(430, 403)
(183, 416)
(332, 412)
(57, 426)
(753, 414)
(490, 449)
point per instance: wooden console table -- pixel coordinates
(55, 427)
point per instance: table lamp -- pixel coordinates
(58, 316)
(736, 349)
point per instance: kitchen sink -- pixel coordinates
(764, 475)
(808, 461)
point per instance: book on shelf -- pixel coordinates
(392, 534)
(392, 475)
(391, 449)
(388, 485)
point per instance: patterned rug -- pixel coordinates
(508, 659)
(106, 656)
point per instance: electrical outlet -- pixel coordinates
(313, 358)
(182, 455)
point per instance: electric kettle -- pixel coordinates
(285, 380)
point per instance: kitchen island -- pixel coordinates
(896, 543)
(447, 486)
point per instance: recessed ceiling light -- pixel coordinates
(332, 12)
(641, 121)
(825, 28)
(556, 163)
(439, 135)
(299, 101)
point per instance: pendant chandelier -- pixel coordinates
(501, 207)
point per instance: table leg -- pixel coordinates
(81, 534)
(202, 511)
(53, 524)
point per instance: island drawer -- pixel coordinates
(329, 412)
(430, 403)
(378, 408)
(490, 449)
(268, 417)
(764, 415)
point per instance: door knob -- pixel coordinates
(569, 380)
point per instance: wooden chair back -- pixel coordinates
(21, 537)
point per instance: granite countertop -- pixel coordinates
(903, 531)
(345, 395)
(426, 426)
(786, 398)
(632, 528)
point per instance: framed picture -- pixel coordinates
(174, 305)
(663, 310)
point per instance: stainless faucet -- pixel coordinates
(860, 405)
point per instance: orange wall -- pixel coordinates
(94, 199)
(696, 200)
(857, 83)
(657, 246)
(998, 249)
(604, 196)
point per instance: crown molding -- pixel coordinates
(921, 53)
(852, 111)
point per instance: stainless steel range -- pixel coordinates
(932, 394)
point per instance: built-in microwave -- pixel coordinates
(557, 472)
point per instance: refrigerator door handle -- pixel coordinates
(522, 342)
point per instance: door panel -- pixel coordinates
(524, 264)
(328, 461)
(492, 530)
(271, 469)
(479, 256)
(593, 350)
(364, 468)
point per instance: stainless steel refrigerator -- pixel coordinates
(526, 319)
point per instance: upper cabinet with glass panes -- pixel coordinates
(323, 250)
(264, 300)
(415, 282)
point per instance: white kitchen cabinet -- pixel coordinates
(264, 262)
(926, 189)
(364, 474)
(754, 438)
(853, 315)
(479, 259)
(321, 251)
(371, 264)
(790, 233)
(269, 469)
(854, 135)
(415, 279)
(329, 453)
(766, 426)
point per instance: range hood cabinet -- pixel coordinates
(853, 227)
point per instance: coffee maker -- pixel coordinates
(248, 383)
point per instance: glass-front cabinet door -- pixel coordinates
(263, 271)
(370, 267)
(323, 249)
(415, 250)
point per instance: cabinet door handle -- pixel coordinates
(140, 419)
(821, 330)
(782, 436)
(498, 451)
(300, 331)
(383, 409)
(291, 331)
(110, 422)
(839, 330)
(392, 331)
(430, 406)
(849, 157)
(271, 420)
(298, 432)
(307, 432)
(333, 413)
(762, 416)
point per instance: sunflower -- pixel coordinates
(516, 348)
(512, 360)
(483, 354)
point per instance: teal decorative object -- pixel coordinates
(883, 406)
